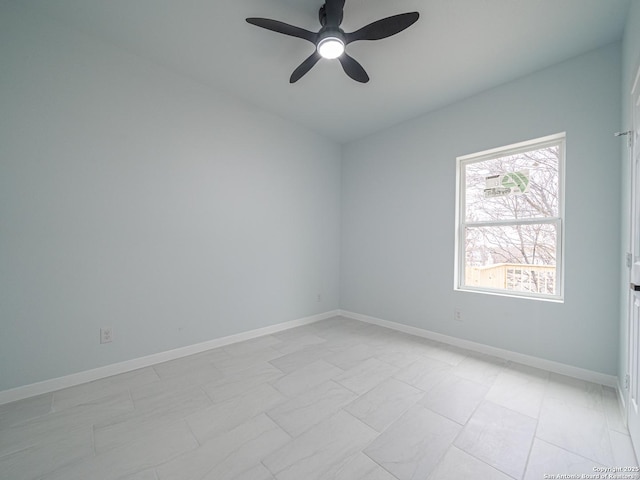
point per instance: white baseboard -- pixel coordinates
(74, 379)
(66, 381)
(549, 365)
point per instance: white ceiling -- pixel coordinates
(456, 49)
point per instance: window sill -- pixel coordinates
(503, 293)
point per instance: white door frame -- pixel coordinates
(633, 314)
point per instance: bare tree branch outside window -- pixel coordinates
(505, 247)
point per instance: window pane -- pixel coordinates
(518, 258)
(518, 186)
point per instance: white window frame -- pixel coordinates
(461, 223)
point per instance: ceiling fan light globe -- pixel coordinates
(330, 47)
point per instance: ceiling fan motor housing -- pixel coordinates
(330, 32)
(322, 15)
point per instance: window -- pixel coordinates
(509, 220)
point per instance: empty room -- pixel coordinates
(319, 239)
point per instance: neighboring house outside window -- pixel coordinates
(510, 220)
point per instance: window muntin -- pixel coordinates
(509, 237)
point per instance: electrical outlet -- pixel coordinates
(106, 335)
(319, 298)
(457, 315)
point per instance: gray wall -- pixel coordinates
(398, 191)
(630, 64)
(133, 198)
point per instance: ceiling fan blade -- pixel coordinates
(285, 28)
(383, 28)
(304, 67)
(353, 68)
(334, 10)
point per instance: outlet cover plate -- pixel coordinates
(106, 335)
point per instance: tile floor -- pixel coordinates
(337, 399)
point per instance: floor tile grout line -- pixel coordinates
(51, 410)
(559, 446)
(93, 440)
(613, 459)
(192, 433)
(267, 468)
(374, 461)
(452, 445)
(53, 401)
(533, 440)
(570, 451)
(483, 461)
(133, 404)
(510, 409)
(483, 401)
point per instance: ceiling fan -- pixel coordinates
(330, 41)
